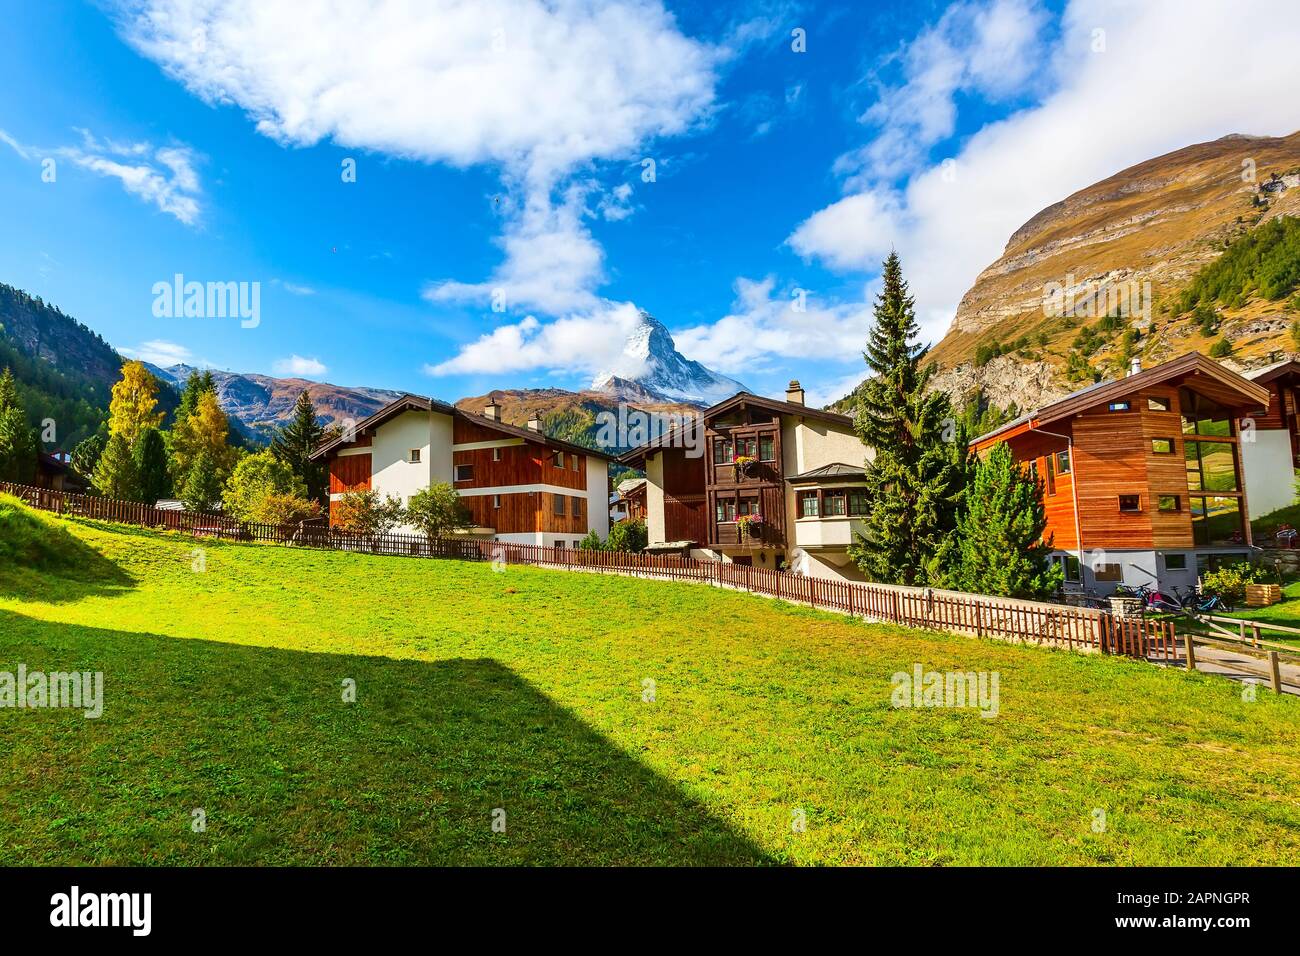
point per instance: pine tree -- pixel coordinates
(18, 448)
(115, 472)
(916, 479)
(86, 455)
(152, 479)
(295, 443)
(195, 386)
(202, 490)
(1000, 533)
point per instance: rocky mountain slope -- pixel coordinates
(260, 404)
(1156, 223)
(650, 367)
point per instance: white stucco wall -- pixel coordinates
(390, 472)
(654, 499)
(1270, 475)
(598, 496)
(440, 448)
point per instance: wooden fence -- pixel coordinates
(978, 615)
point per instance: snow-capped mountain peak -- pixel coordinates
(651, 361)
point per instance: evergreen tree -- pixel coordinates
(202, 490)
(115, 473)
(204, 429)
(1000, 547)
(295, 443)
(152, 480)
(195, 386)
(18, 447)
(86, 455)
(916, 479)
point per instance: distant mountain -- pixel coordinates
(571, 416)
(258, 404)
(65, 372)
(650, 367)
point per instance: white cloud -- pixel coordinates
(764, 324)
(584, 343)
(540, 89)
(13, 144)
(160, 352)
(294, 288)
(1163, 82)
(298, 367)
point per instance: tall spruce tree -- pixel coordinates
(917, 477)
(202, 488)
(152, 479)
(1000, 533)
(295, 443)
(115, 472)
(18, 448)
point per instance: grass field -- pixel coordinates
(523, 690)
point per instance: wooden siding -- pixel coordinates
(517, 512)
(519, 465)
(765, 483)
(349, 473)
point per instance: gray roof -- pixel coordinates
(835, 470)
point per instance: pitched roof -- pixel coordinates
(668, 438)
(1208, 376)
(835, 470)
(1268, 373)
(408, 402)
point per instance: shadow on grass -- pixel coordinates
(286, 772)
(40, 559)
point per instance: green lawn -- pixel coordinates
(522, 690)
(1285, 613)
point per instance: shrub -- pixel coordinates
(365, 512)
(628, 536)
(591, 542)
(1229, 582)
(1221, 349)
(258, 479)
(437, 510)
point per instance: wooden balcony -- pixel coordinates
(764, 536)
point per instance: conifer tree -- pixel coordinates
(295, 443)
(152, 480)
(115, 472)
(916, 479)
(202, 489)
(18, 447)
(1000, 546)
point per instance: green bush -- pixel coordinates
(1229, 582)
(628, 536)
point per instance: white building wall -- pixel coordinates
(654, 499)
(390, 472)
(440, 448)
(1270, 475)
(598, 496)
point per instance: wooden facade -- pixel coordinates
(1155, 465)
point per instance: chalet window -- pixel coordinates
(1216, 521)
(766, 449)
(808, 504)
(576, 506)
(1211, 466)
(496, 501)
(833, 504)
(1201, 416)
(413, 456)
(721, 451)
(726, 510)
(858, 501)
(747, 446)
(1051, 475)
(465, 472)
(496, 454)
(1108, 572)
(1158, 403)
(1162, 446)
(1062, 462)
(574, 463)
(558, 459)
(559, 543)
(748, 506)
(1130, 502)
(1169, 503)
(1175, 562)
(1118, 406)
(559, 504)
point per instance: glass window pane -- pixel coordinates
(858, 502)
(766, 448)
(834, 501)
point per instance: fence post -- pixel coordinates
(1190, 650)
(1276, 669)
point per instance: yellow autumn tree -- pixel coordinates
(135, 397)
(204, 429)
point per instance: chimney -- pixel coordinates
(492, 410)
(1135, 365)
(794, 392)
(535, 421)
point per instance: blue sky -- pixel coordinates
(500, 149)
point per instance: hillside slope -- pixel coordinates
(1158, 222)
